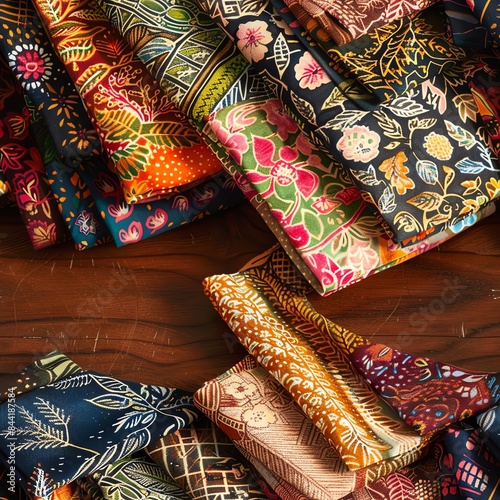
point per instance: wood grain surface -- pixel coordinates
(139, 312)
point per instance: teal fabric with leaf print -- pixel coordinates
(81, 423)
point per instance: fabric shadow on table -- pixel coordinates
(153, 147)
(205, 464)
(81, 423)
(25, 45)
(412, 157)
(341, 380)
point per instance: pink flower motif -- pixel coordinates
(359, 143)
(298, 234)
(27, 192)
(132, 234)
(284, 171)
(157, 221)
(32, 61)
(348, 195)
(309, 73)
(120, 211)
(362, 257)
(107, 186)
(325, 204)
(276, 115)
(328, 272)
(181, 203)
(252, 40)
(235, 143)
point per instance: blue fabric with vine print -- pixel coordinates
(82, 423)
(418, 158)
(44, 79)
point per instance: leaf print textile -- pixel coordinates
(76, 204)
(133, 477)
(43, 371)
(322, 381)
(151, 143)
(204, 462)
(264, 421)
(26, 47)
(190, 56)
(22, 166)
(130, 223)
(309, 196)
(443, 105)
(84, 422)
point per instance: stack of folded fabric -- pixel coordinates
(312, 412)
(363, 134)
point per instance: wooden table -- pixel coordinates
(139, 312)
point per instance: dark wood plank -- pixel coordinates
(139, 312)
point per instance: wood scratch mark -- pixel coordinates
(52, 268)
(96, 339)
(93, 265)
(388, 317)
(71, 263)
(463, 330)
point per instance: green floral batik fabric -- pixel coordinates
(311, 197)
(419, 158)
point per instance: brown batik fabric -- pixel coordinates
(205, 464)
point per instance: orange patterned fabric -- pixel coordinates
(267, 425)
(309, 355)
(154, 148)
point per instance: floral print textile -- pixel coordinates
(130, 223)
(26, 47)
(151, 143)
(310, 196)
(418, 158)
(22, 166)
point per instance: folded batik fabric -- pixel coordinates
(311, 197)
(264, 421)
(190, 56)
(343, 382)
(4, 185)
(136, 477)
(484, 82)
(347, 20)
(77, 207)
(45, 370)
(487, 12)
(205, 463)
(389, 60)
(154, 149)
(489, 427)
(22, 166)
(466, 29)
(25, 45)
(79, 424)
(130, 223)
(475, 470)
(418, 158)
